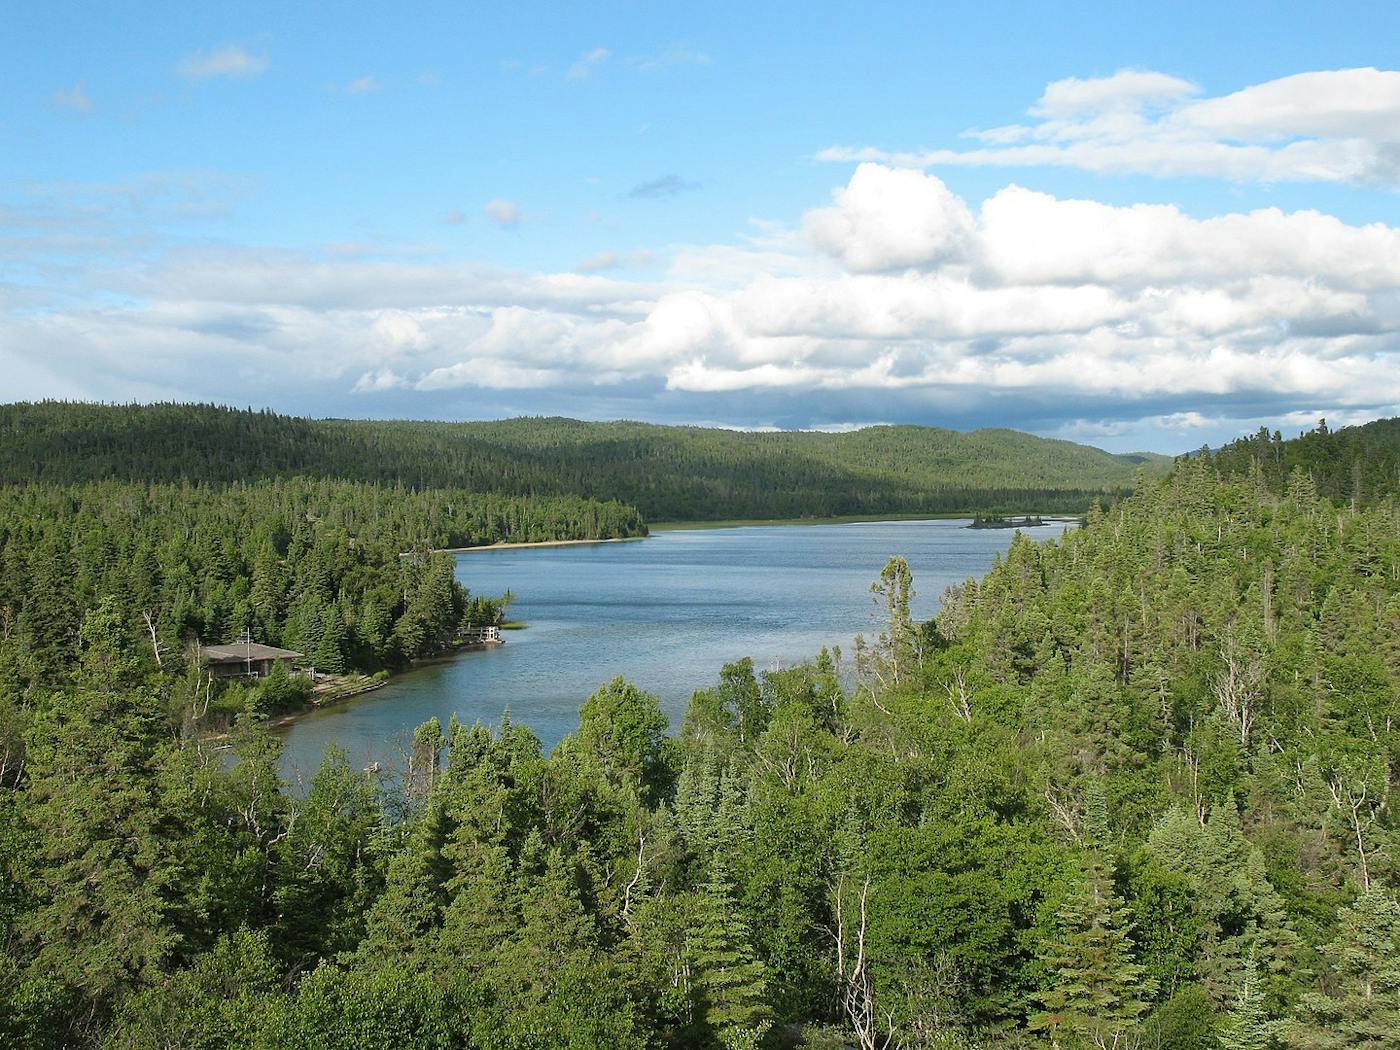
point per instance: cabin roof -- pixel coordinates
(241, 652)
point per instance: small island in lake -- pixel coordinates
(1030, 521)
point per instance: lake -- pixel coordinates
(665, 612)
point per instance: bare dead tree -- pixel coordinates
(958, 698)
(931, 993)
(1359, 808)
(1237, 689)
(635, 882)
(157, 648)
(1065, 811)
(1193, 768)
(873, 1027)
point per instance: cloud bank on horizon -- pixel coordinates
(897, 299)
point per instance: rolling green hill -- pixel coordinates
(669, 473)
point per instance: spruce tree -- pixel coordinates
(1361, 1006)
(1248, 1026)
(730, 981)
(329, 655)
(104, 870)
(1099, 992)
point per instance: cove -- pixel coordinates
(666, 613)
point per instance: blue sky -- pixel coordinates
(745, 215)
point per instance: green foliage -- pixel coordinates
(281, 691)
(372, 1008)
(729, 980)
(1360, 1007)
(315, 566)
(624, 730)
(668, 473)
(1355, 464)
(1247, 1025)
(1186, 1021)
(1113, 797)
(1097, 991)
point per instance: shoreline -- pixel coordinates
(840, 519)
(287, 718)
(739, 523)
(538, 543)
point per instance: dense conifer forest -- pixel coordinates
(340, 571)
(1356, 464)
(1132, 789)
(668, 473)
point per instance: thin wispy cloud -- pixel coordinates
(74, 99)
(365, 85)
(609, 260)
(1340, 126)
(230, 61)
(504, 213)
(515, 65)
(660, 187)
(587, 63)
(669, 58)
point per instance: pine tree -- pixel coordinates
(407, 915)
(730, 981)
(329, 654)
(1249, 1026)
(1099, 992)
(697, 792)
(104, 871)
(897, 649)
(1242, 915)
(1361, 1008)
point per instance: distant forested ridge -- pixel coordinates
(311, 565)
(1356, 464)
(1134, 789)
(668, 473)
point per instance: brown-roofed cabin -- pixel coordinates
(246, 659)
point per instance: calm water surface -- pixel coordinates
(666, 612)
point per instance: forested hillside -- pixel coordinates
(1135, 788)
(1357, 464)
(314, 566)
(668, 473)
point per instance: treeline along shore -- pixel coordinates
(315, 566)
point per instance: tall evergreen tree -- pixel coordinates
(1099, 992)
(730, 981)
(1360, 1006)
(1248, 1026)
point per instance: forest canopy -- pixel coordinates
(342, 572)
(667, 473)
(1133, 788)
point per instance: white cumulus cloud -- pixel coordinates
(1338, 125)
(888, 218)
(897, 299)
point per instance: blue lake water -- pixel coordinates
(665, 612)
